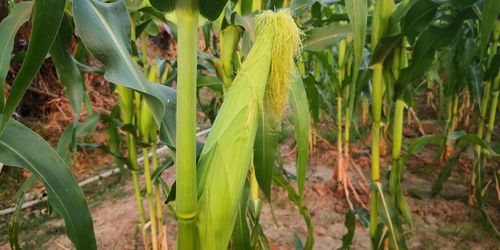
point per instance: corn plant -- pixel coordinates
(253, 71)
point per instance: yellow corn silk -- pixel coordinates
(226, 156)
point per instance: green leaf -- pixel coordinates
(407, 19)
(420, 143)
(21, 147)
(48, 16)
(358, 16)
(153, 13)
(67, 141)
(133, 5)
(8, 29)
(474, 140)
(491, 10)
(300, 7)
(350, 224)
(156, 175)
(313, 97)
(88, 126)
(300, 107)
(264, 156)
(443, 175)
(241, 234)
(15, 220)
(163, 5)
(67, 71)
(211, 9)
(211, 82)
(432, 39)
(357, 11)
(105, 30)
(319, 39)
(297, 242)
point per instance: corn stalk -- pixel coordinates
(383, 9)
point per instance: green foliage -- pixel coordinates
(8, 29)
(21, 147)
(48, 16)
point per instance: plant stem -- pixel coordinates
(126, 97)
(132, 154)
(480, 129)
(493, 108)
(381, 14)
(144, 49)
(365, 106)
(454, 122)
(187, 200)
(254, 186)
(377, 89)
(149, 197)
(397, 139)
(157, 189)
(340, 159)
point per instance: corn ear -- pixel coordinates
(147, 123)
(229, 41)
(226, 156)
(126, 102)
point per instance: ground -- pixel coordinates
(443, 222)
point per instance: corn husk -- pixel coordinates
(147, 123)
(226, 156)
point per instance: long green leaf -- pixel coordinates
(300, 107)
(163, 5)
(404, 21)
(241, 233)
(432, 39)
(443, 175)
(357, 11)
(16, 219)
(105, 30)
(319, 39)
(21, 147)
(8, 29)
(211, 9)
(265, 149)
(48, 16)
(491, 10)
(67, 71)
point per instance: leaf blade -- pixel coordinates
(20, 146)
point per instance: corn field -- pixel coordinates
(413, 84)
